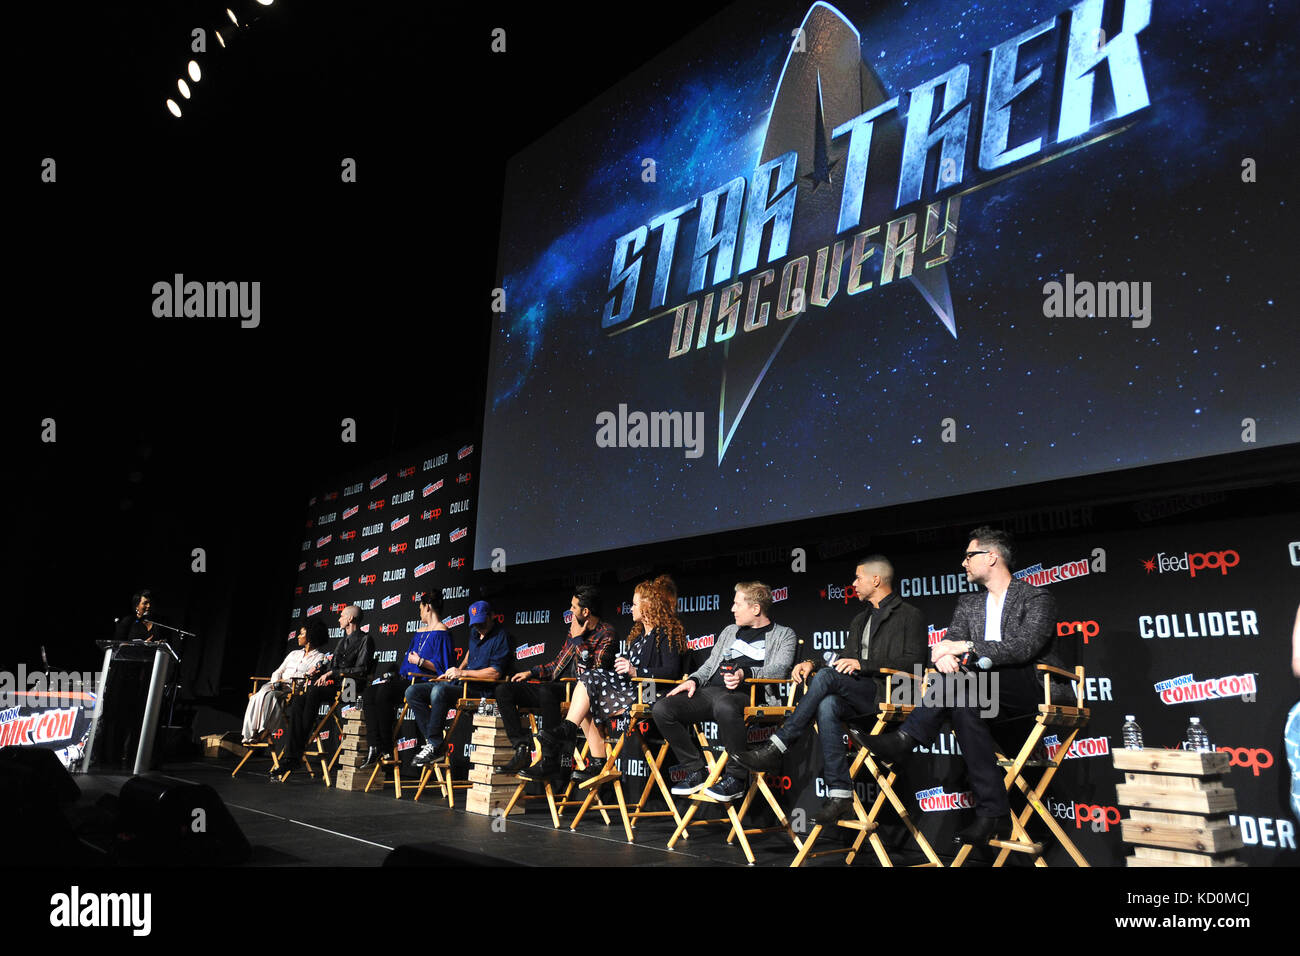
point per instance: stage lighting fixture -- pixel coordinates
(220, 39)
(195, 73)
(174, 108)
(266, 3)
(233, 19)
(184, 88)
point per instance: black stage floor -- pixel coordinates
(303, 823)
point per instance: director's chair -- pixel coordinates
(866, 822)
(263, 740)
(617, 731)
(1072, 718)
(314, 741)
(393, 759)
(755, 715)
(556, 803)
(440, 769)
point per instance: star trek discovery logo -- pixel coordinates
(858, 187)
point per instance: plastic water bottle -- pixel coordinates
(1197, 739)
(482, 705)
(1132, 733)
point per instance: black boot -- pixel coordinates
(594, 766)
(544, 769)
(522, 758)
(559, 739)
(892, 748)
(983, 830)
(372, 758)
(835, 808)
(764, 759)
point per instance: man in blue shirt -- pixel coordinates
(486, 660)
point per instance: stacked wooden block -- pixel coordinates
(1179, 807)
(490, 747)
(347, 771)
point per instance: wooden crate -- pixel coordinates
(1163, 761)
(487, 737)
(351, 779)
(482, 720)
(483, 773)
(1178, 804)
(1158, 856)
(350, 760)
(484, 800)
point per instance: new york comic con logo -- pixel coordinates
(858, 187)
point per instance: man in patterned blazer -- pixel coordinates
(1007, 630)
(590, 645)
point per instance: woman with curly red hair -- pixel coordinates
(655, 647)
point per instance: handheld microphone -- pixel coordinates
(968, 660)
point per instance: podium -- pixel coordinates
(158, 655)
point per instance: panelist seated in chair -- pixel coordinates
(753, 646)
(889, 632)
(589, 646)
(265, 707)
(352, 659)
(429, 655)
(655, 646)
(487, 659)
(1001, 633)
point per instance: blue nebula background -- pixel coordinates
(849, 416)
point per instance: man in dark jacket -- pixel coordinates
(1007, 629)
(352, 661)
(888, 633)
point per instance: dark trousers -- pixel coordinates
(543, 697)
(303, 714)
(831, 699)
(119, 733)
(379, 703)
(674, 716)
(1019, 695)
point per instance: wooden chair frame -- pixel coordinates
(556, 804)
(313, 740)
(610, 773)
(262, 740)
(1074, 718)
(757, 780)
(440, 769)
(394, 759)
(866, 822)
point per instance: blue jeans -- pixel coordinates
(429, 703)
(831, 699)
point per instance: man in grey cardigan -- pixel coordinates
(752, 647)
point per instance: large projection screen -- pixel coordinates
(815, 259)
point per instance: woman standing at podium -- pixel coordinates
(128, 684)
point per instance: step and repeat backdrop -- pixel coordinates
(382, 537)
(1169, 623)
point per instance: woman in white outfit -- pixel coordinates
(264, 708)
